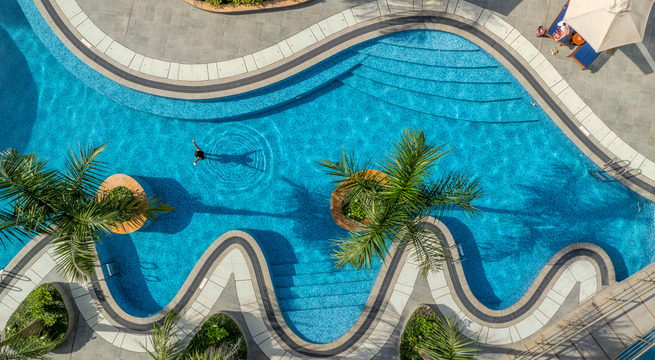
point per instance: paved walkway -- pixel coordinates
(620, 89)
(232, 277)
(604, 327)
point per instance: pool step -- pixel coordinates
(488, 112)
(448, 59)
(309, 291)
(445, 90)
(324, 302)
(418, 71)
(304, 268)
(335, 277)
(429, 40)
(316, 322)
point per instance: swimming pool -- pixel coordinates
(261, 174)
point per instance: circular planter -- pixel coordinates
(246, 8)
(136, 189)
(336, 204)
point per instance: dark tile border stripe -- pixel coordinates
(537, 291)
(377, 303)
(297, 63)
(274, 317)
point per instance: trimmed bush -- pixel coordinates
(354, 210)
(46, 305)
(233, 2)
(218, 330)
(422, 322)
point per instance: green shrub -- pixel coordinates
(218, 330)
(233, 2)
(422, 322)
(45, 304)
(119, 194)
(354, 210)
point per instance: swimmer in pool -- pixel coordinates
(199, 154)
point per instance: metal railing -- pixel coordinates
(570, 329)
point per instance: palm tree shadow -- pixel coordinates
(554, 213)
(186, 205)
(314, 223)
(475, 273)
(129, 287)
(18, 105)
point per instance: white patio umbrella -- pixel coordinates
(606, 24)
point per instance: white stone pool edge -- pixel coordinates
(235, 264)
(591, 124)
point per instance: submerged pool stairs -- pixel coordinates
(438, 82)
(308, 291)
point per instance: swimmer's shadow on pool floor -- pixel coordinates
(244, 159)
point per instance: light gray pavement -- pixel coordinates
(620, 89)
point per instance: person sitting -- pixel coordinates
(199, 154)
(562, 31)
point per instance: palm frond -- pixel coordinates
(453, 191)
(350, 174)
(361, 248)
(25, 349)
(30, 190)
(83, 171)
(426, 247)
(165, 345)
(75, 255)
(14, 228)
(409, 166)
(448, 341)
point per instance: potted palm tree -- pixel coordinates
(346, 208)
(127, 189)
(396, 208)
(64, 205)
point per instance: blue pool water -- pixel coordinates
(261, 174)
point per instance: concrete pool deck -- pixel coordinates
(143, 27)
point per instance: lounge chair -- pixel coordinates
(552, 30)
(584, 55)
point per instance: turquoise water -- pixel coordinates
(261, 174)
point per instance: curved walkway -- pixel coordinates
(236, 254)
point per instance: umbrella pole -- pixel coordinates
(541, 43)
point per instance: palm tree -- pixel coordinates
(64, 205)
(164, 343)
(167, 347)
(28, 348)
(398, 202)
(448, 342)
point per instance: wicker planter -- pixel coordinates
(137, 190)
(336, 205)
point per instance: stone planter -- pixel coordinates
(246, 8)
(137, 190)
(336, 205)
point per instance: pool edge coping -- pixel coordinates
(579, 123)
(386, 303)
